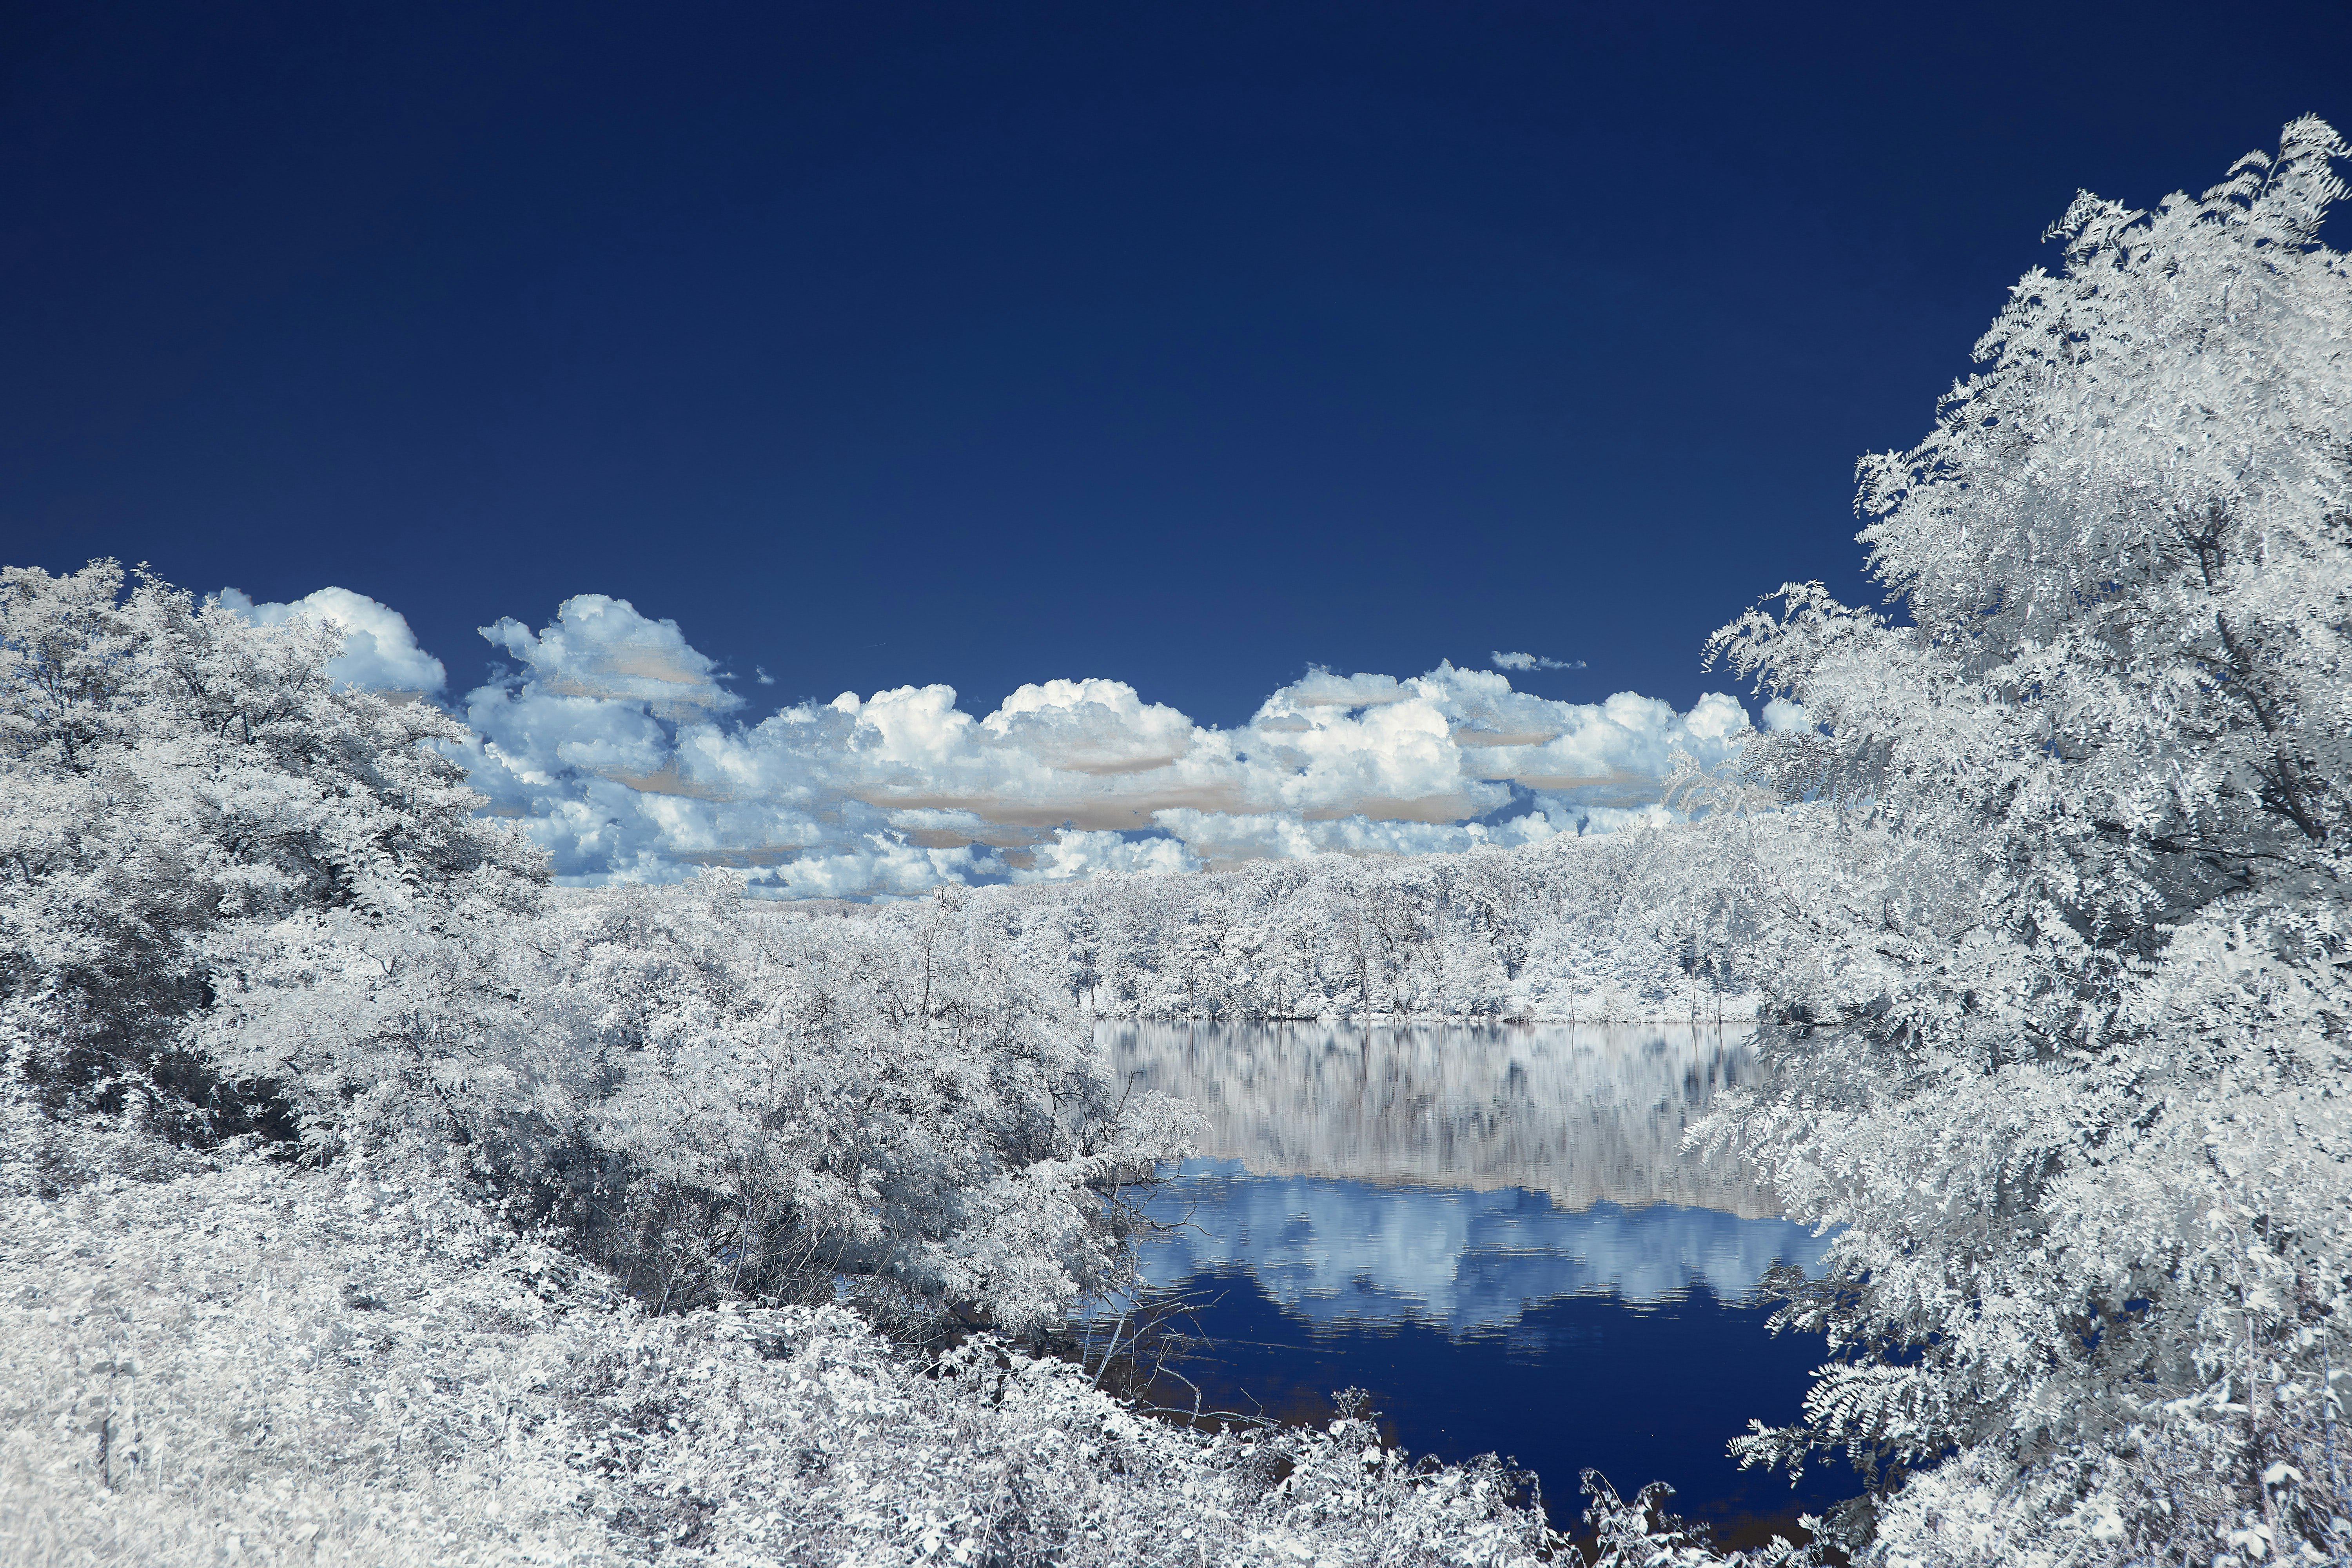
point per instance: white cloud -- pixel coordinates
(380, 653)
(1075, 854)
(613, 742)
(1780, 714)
(1097, 727)
(602, 647)
(1221, 840)
(1502, 660)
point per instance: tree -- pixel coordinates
(731, 1100)
(2055, 962)
(174, 782)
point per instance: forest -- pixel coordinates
(371, 1198)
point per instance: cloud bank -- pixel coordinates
(617, 743)
(619, 746)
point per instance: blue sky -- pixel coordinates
(1185, 346)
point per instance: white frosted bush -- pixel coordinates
(241, 1361)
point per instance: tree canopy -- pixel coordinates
(2054, 959)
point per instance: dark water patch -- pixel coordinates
(1639, 1391)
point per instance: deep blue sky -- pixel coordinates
(1182, 343)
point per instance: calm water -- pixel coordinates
(1497, 1233)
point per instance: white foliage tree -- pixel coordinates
(765, 1103)
(176, 785)
(2055, 960)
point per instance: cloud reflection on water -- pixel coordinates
(1340, 1252)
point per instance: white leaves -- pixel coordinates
(780, 1101)
(174, 782)
(2061, 963)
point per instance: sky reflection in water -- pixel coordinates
(1342, 1252)
(1497, 1232)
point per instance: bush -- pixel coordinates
(218, 1358)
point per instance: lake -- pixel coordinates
(1497, 1233)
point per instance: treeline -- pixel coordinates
(1619, 928)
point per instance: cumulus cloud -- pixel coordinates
(614, 741)
(380, 653)
(1072, 855)
(1502, 660)
(601, 647)
(1223, 840)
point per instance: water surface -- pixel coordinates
(1497, 1233)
